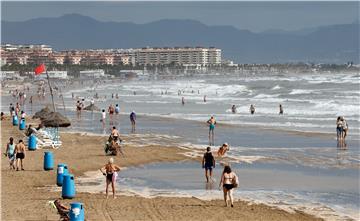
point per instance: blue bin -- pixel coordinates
(68, 187)
(62, 170)
(22, 125)
(15, 120)
(48, 161)
(32, 142)
(77, 212)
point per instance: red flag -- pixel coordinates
(39, 69)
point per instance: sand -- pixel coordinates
(24, 196)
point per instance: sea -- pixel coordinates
(292, 161)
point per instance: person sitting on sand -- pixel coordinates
(222, 150)
(62, 210)
(229, 180)
(20, 154)
(109, 171)
(10, 152)
(208, 163)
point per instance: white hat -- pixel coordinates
(225, 144)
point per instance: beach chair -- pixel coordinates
(47, 138)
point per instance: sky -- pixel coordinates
(253, 16)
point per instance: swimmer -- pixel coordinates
(252, 109)
(223, 149)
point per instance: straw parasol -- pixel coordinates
(92, 107)
(42, 113)
(55, 119)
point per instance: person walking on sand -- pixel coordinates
(133, 121)
(229, 181)
(223, 149)
(211, 122)
(110, 170)
(20, 154)
(252, 109)
(281, 110)
(208, 163)
(10, 152)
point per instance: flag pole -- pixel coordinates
(51, 92)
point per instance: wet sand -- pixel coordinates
(25, 198)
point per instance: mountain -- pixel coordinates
(334, 43)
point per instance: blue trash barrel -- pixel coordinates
(77, 212)
(22, 124)
(15, 120)
(68, 187)
(62, 170)
(48, 161)
(32, 142)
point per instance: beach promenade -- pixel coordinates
(25, 194)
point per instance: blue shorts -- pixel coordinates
(208, 166)
(339, 130)
(212, 127)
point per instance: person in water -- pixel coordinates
(110, 170)
(339, 128)
(103, 117)
(211, 122)
(281, 110)
(229, 181)
(345, 127)
(183, 101)
(10, 153)
(233, 109)
(133, 121)
(204, 98)
(223, 149)
(252, 109)
(208, 163)
(117, 109)
(20, 154)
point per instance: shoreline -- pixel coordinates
(82, 155)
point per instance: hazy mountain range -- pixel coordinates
(334, 43)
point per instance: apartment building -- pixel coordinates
(178, 55)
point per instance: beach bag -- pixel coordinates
(235, 181)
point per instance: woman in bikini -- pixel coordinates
(109, 171)
(229, 181)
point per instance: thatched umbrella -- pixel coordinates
(42, 113)
(92, 107)
(55, 119)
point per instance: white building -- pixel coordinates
(180, 56)
(99, 73)
(55, 75)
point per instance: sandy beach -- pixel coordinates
(24, 194)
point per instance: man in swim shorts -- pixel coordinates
(20, 154)
(222, 150)
(211, 123)
(208, 163)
